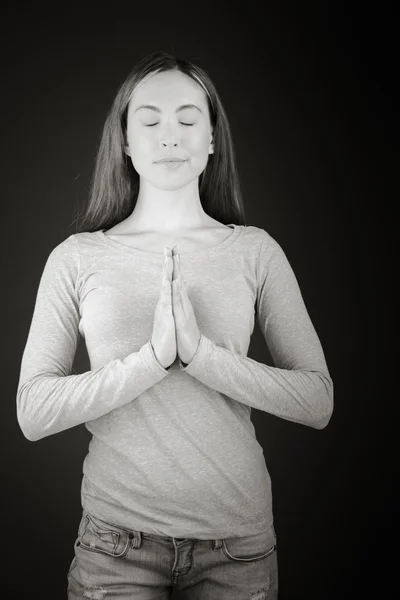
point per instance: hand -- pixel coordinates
(163, 338)
(187, 331)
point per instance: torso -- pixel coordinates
(204, 236)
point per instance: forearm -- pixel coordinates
(302, 396)
(48, 404)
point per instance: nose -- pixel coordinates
(169, 137)
(169, 141)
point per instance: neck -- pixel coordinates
(168, 210)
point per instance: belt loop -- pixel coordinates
(217, 544)
(137, 539)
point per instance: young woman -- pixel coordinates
(164, 282)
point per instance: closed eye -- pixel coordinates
(187, 124)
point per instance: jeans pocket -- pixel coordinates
(98, 536)
(251, 548)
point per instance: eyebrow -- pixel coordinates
(182, 107)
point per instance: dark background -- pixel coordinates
(308, 90)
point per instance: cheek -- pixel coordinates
(141, 144)
(196, 144)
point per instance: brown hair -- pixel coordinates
(115, 183)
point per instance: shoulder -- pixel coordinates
(67, 254)
(68, 251)
(271, 259)
(260, 239)
(64, 256)
(77, 244)
(64, 248)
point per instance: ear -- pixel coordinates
(126, 145)
(211, 150)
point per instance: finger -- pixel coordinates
(176, 297)
(166, 299)
(168, 294)
(180, 281)
(178, 273)
(177, 267)
(170, 268)
(166, 291)
(181, 277)
(167, 266)
(176, 305)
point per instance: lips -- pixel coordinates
(170, 159)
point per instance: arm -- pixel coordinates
(298, 388)
(49, 398)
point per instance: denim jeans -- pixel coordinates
(112, 562)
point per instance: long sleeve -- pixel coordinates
(298, 387)
(49, 398)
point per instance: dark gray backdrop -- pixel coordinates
(309, 97)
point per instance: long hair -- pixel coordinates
(115, 183)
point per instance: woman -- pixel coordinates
(164, 281)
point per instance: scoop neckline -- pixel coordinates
(236, 231)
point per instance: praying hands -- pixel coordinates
(175, 329)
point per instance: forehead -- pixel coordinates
(169, 89)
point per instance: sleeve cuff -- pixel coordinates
(200, 356)
(151, 359)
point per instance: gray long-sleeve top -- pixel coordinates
(173, 451)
